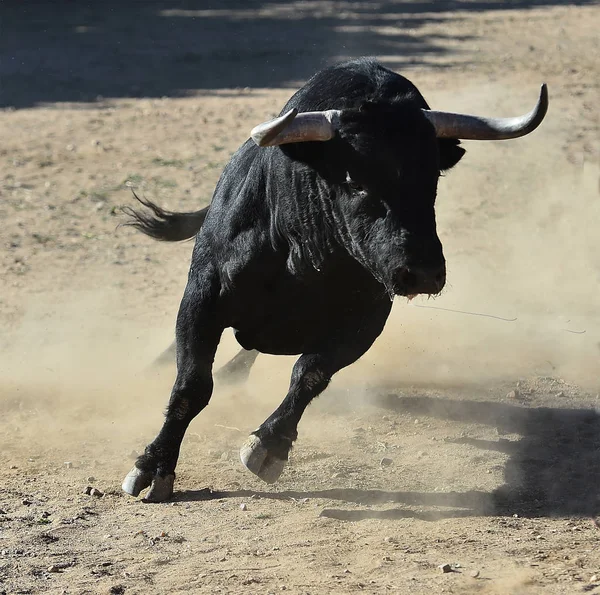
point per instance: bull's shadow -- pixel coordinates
(553, 470)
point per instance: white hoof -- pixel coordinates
(256, 458)
(161, 488)
(136, 481)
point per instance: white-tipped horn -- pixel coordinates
(296, 128)
(467, 127)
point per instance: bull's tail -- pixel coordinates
(163, 225)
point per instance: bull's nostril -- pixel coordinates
(420, 280)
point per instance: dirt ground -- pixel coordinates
(469, 435)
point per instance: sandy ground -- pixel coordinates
(469, 434)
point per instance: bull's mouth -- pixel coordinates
(410, 286)
(411, 294)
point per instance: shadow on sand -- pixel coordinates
(68, 51)
(553, 470)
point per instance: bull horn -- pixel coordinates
(296, 128)
(448, 125)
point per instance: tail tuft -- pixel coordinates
(163, 225)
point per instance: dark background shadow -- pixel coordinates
(79, 50)
(553, 470)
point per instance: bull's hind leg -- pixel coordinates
(168, 356)
(265, 453)
(198, 335)
(235, 371)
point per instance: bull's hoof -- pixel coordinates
(256, 458)
(161, 488)
(136, 481)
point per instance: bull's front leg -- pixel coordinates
(198, 335)
(265, 453)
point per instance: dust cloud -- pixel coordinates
(75, 371)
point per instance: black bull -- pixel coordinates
(307, 239)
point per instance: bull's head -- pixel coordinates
(389, 187)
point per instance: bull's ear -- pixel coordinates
(450, 153)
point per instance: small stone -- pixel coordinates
(513, 394)
(13, 467)
(243, 507)
(26, 502)
(385, 462)
(594, 578)
(445, 568)
(560, 394)
(53, 568)
(68, 465)
(96, 492)
(475, 573)
(416, 422)
(88, 490)
(91, 478)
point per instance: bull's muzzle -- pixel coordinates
(416, 280)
